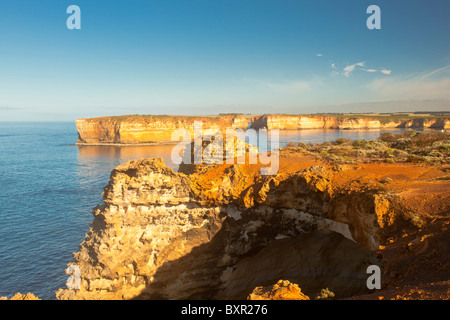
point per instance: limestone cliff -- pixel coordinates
(159, 129)
(296, 122)
(220, 233)
(148, 129)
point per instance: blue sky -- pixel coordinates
(216, 56)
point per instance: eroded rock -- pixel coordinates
(314, 260)
(20, 296)
(282, 290)
(219, 234)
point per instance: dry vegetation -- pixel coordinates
(409, 146)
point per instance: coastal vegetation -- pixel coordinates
(382, 117)
(410, 146)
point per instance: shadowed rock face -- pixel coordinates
(316, 259)
(167, 235)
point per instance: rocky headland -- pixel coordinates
(224, 230)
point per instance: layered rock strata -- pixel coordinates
(297, 122)
(159, 129)
(220, 233)
(149, 129)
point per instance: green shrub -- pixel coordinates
(325, 294)
(340, 141)
(390, 160)
(402, 143)
(360, 143)
(445, 148)
(290, 145)
(390, 137)
(422, 139)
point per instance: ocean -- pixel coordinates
(49, 187)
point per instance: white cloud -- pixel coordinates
(319, 54)
(349, 69)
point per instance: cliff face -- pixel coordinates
(424, 123)
(221, 232)
(159, 129)
(151, 129)
(288, 122)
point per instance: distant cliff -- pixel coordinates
(148, 129)
(159, 129)
(296, 122)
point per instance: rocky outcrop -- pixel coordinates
(20, 296)
(148, 129)
(149, 218)
(297, 122)
(220, 233)
(282, 290)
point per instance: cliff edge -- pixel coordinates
(137, 129)
(220, 232)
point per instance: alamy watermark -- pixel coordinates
(227, 147)
(74, 20)
(374, 280)
(374, 21)
(74, 281)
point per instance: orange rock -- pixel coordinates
(148, 129)
(19, 296)
(282, 290)
(296, 122)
